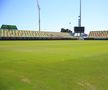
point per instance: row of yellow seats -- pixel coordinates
(98, 34)
(21, 33)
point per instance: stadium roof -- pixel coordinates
(9, 27)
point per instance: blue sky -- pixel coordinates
(55, 14)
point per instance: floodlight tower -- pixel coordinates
(79, 23)
(38, 6)
(79, 29)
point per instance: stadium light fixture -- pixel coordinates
(38, 6)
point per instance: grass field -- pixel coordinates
(53, 65)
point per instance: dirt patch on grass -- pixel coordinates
(25, 79)
(87, 85)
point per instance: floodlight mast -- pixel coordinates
(38, 6)
(79, 24)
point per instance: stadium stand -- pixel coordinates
(98, 35)
(7, 34)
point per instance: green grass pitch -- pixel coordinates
(53, 65)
